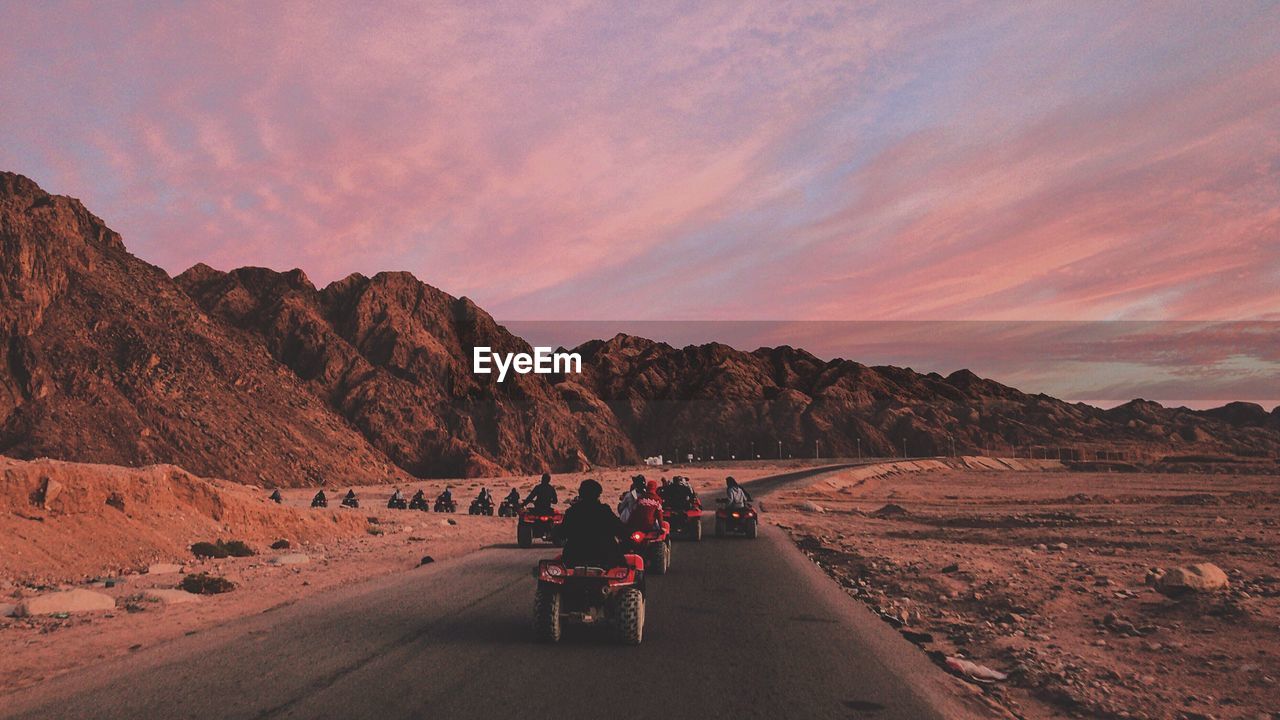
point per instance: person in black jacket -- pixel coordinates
(543, 495)
(590, 530)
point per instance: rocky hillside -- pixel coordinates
(259, 376)
(725, 402)
(107, 360)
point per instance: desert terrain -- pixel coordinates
(1053, 579)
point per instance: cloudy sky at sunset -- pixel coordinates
(693, 161)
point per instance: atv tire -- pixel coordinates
(662, 558)
(546, 614)
(751, 530)
(524, 536)
(629, 623)
(719, 528)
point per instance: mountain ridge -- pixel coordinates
(260, 376)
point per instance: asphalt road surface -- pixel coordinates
(738, 629)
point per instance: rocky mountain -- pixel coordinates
(107, 360)
(259, 376)
(715, 400)
(392, 356)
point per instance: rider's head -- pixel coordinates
(589, 490)
(730, 482)
(651, 487)
(637, 482)
(546, 478)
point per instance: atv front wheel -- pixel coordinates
(546, 613)
(524, 536)
(629, 623)
(751, 530)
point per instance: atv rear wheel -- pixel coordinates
(719, 527)
(629, 623)
(662, 558)
(524, 536)
(751, 529)
(546, 613)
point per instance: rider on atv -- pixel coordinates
(320, 500)
(737, 496)
(646, 512)
(483, 504)
(418, 501)
(679, 495)
(444, 501)
(590, 530)
(350, 500)
(628, 500)
(397, 501)
(543, 495)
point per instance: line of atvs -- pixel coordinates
(615, 596)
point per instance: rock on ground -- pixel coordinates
(163, 569)
(290, 559)
(67, 601)
(1201, 577)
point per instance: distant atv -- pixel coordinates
(509, 509)
(537, 523)
(686, 524)
(479, 507)
(654, 546)
(397, 503)
(446, 506)
(738, 520)
(590, 595)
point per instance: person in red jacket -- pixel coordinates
(647, 512)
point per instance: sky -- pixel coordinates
(704, 161)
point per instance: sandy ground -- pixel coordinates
(389, 541)
(1044, 575)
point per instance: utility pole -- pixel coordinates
(779, 449)
(904, 448)
(815, 449)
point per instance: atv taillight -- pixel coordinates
(737, 515)
(637, 536)
(618, 573)
(555, 570)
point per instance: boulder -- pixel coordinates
(8, 610)
(67, 601)
(50, 492)
(168, 596)
(811, 506)
(1198, 578)
(890, 510)
(291, 559)
(163, 568)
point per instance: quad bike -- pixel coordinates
(480, 508)
(590, 594)
(686, 523)
(654, 546)
(537, 523)
(509, 509)
(397, 503)
(350, 502)
(419, 503)
(736, 520)
(446, 506)
(320, 501)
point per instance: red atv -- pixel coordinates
(654, 546)
(537, 523)
(589, 595)
(736, 520)
(686, 523)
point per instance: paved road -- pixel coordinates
(739, 629)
